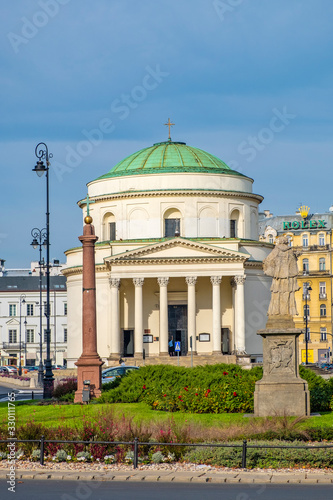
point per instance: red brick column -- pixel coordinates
(89, 364)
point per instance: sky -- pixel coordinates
(249, 81)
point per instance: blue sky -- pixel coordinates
(247, 80)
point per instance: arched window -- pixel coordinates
(322, 264)
(172, 218)
(109, 227)
(322, 310)
(321, 239)
(305, 266)
(270, 238)
(305, 240)
(234, 224)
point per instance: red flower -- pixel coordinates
(164, 395)
(196, 394)
(235, 393)
(186, 389)
(208, 391)
(179, 397)
(225, 373)
(144, 387)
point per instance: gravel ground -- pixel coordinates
(181, 467)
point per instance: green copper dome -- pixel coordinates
(169, 157)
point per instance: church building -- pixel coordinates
(178, 258)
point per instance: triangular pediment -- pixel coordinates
(177, 248)
(13, 322)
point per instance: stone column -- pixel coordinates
(115, 322)
(191, 312)
(138, 317)
(216, 282)
(239, 315)
(89, 364)
(164, 330)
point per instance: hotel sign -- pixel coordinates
(304, 224)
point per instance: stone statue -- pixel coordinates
(281, 264)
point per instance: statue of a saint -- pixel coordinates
(281, 264)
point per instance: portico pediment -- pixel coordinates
(180, 249)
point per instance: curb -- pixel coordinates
(243, 477)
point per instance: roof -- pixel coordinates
(169, 157)
(31, 283)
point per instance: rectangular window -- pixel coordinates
(305, 240)
(30, 309)
(322, 288)
(65, 334)
(321, 240)
(112, 231)
(30, 335)
(322, 264)
(12, 336)
(171, 227)
(233, 231)
(12, 309)
(306, 265)
(65, 308)
(323, 334)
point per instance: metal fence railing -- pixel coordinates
(136, 444)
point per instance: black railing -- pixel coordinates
(136, 444)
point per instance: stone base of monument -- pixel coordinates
(88, 370)
(281, 391)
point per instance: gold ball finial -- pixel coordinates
(88, 219)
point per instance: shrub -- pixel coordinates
(262, 458)
(35, 455)
(61, 456)
(67, 386)
(158, 457)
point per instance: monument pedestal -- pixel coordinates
(281, 391)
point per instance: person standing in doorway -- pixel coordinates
(171, 347)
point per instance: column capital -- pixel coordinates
(191, 280)
(240, 280)
(114, 282)
(215, 280)
(138, 281)
(163, 281)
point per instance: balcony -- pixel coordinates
(15, 346)
(323, 296)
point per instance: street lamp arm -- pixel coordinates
(43, 153)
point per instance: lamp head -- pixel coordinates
(34, 243)
(39, 168)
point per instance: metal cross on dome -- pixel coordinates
(169, 124)
(88, 201)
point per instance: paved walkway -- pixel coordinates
(203, 475)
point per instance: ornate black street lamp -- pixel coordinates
(307, 289)
(39, 240)
(40, 169)
(22, 301)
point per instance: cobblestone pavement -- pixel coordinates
(166, 473)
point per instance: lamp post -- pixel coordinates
(22, 301)
(39, 240)
(25, 341)
(307, 289)
(40, 169)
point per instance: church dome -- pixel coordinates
(169, 157)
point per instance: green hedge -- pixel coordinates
(262, 457)
(217, 388)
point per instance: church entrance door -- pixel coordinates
(177, 319)
(128, 343)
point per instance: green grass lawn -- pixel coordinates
(72, 415)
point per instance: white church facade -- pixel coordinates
(178, 257)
